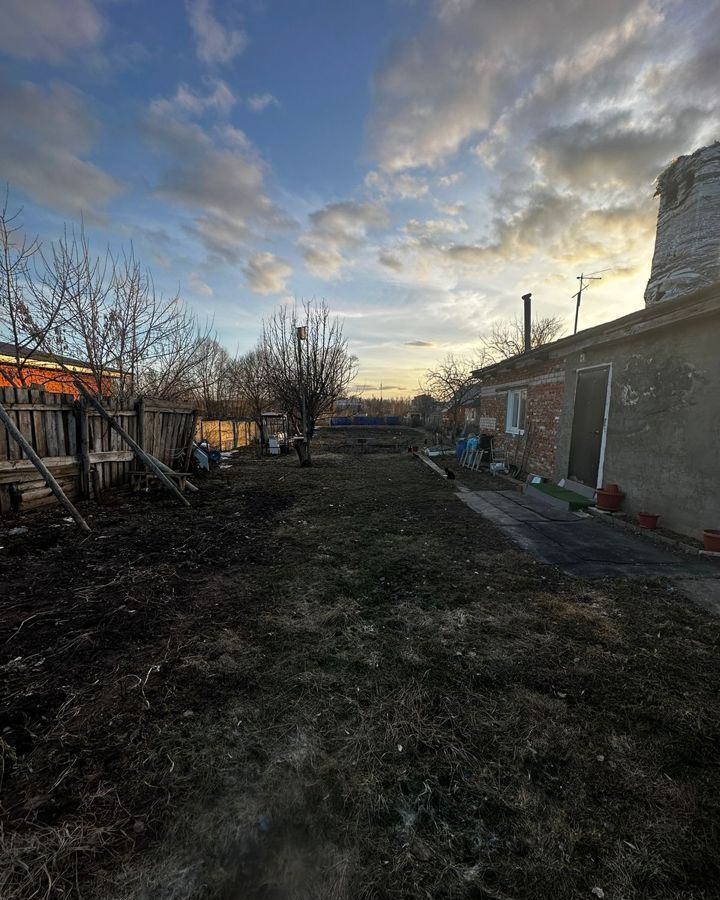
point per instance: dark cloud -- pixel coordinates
(426, 107)
(49, 30)
(419, 344)
(389, 261)
(219, 175)
(45, 152)
(335, 228)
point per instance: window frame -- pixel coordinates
(516, 407)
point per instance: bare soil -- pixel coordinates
(339, 682)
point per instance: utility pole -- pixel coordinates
(301, 336)
(582, 278)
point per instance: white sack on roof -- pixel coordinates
(687, 245)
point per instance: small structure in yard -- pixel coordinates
(635, 401)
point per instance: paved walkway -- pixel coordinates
(581, 544)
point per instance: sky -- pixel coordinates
(417, 164)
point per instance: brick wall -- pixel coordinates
(54, 381)
(545, 385)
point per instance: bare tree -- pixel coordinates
(425, 405)
(213, 388)
(251, 386)
(507, 338)
(27, 312)
(308, 366)
(173, 372)
(449, 383)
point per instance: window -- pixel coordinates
(515, 416)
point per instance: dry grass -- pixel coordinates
(371, 694)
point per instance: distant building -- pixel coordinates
(42, 371)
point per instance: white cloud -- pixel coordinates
(215, 42)
(43, 153)
(216, 174)
(49, 30)
(402, 186)
(450, 83)
(335, 228)
(267, 273)
(259, 102)
(433, 227)
(198, 286)
(219, 98)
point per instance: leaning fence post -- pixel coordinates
(22, 441)
(86, 484)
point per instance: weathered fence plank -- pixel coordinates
(78, 447)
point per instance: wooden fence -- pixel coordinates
(226, 434)
(78, 446)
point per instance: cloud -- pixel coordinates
(219, 98)
(259, 102)
(425, 107)
(402, 187)
(215, 43)
(198, 286)
(432, 227)
(49, 30)
(568, 113)
(42, 154)
(389, 261)
(216, 174)
(419, 344)
(335, 228)
(449, 180)
(267, 273)
(612, 149)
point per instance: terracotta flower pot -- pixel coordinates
(648, 520)
(609, 500)
(711, 539)
(611, 488)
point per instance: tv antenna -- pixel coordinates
(582, 278)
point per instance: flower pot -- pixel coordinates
(648, 520)
(608, 500)
(611, 488)
(711, 539)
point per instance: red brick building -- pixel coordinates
(519, 402)
(42, 371)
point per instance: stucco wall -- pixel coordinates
(663, 435)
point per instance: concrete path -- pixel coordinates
(581, 544)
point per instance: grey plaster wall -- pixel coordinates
(663, 437)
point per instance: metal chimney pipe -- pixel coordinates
(528, 322)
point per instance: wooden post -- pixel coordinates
(141, 454)
(191, 440)
(22, 442)
(140, 413)
(84, 424)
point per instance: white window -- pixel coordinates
(515, 416)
